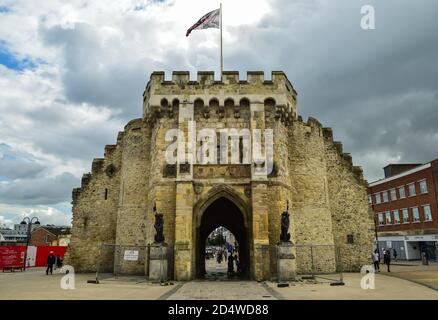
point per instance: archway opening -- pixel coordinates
(222, 255)
(223, 213)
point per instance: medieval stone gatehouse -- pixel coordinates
(327, 196)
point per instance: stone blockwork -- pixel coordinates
(326, 193)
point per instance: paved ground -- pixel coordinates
(34, 284)
(426, 275)
(385, 288)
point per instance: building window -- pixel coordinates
(427, 213)
(377, 196)
(350, 239)
(385, 196)
(423, 186)
(393, 195)
(411, 189)
(370, 199)
(405, 215)
(396, 217)
(381, 221)
(388, 217)
(415, 215)
(401, 192)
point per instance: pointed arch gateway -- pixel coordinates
(222, 206)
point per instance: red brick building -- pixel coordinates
(50, 236)
(405, 203)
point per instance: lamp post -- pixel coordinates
(375, 232)
(29, 223)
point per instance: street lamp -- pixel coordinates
(375, 232)
(29, 223)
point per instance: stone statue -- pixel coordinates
(159, 224)
(285, 235)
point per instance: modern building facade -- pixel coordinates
(405, 204)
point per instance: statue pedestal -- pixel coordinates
(286, 269)
(158, 262)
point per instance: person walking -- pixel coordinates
(387, 259)
(51, 260)
(238, 270)
(59, 262)
(395, 255)
(376, 260)
(230, 265)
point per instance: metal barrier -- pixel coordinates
(322, 263)
(121, 261)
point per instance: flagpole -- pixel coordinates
(222, 58)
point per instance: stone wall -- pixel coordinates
(95, 206)
(326, 194)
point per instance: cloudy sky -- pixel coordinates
(72, 74)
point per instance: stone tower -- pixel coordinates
(327, 194)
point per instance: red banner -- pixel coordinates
(13, 256)
(43, 253)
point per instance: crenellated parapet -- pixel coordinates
(182, 80)
(344, 158)
(163, 98)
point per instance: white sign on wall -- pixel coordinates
(131, 255)
(31, 256)
(389, 244)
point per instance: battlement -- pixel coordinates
(207, 78)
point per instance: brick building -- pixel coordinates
(405, 203)
(50, 236)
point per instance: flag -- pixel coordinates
(210, 20)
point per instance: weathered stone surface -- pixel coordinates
(158, 263)
(326, 193)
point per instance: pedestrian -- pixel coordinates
(219, 257)
(376, 260)
(58, 262)
(230, 265)
(395, 255)
(238, 270)
(387, 259)
(51, 259)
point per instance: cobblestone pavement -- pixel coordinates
(224, 290)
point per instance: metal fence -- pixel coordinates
(117, 261)
(322, 263)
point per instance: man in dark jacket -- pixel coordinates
(387, 258)
(51, 260)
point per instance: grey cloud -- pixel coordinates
(45, 191)
(90, 78)
(19, 169)
(377, 89)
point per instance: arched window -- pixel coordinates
(214, 103)
(175, 103)
(199, 103)
(229, 103)
(244, 102)
(164, 104)
(269, 102)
